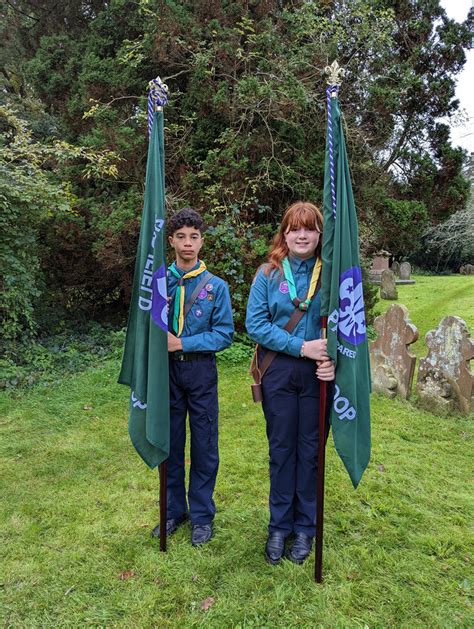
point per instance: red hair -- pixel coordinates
(299, 214)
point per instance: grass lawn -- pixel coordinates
(433, 298)
(78, 505)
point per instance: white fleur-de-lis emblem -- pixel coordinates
(136, 403)
(351, 322)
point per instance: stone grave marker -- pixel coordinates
(444, 383)
(396, 268)
(379, 264)
(405, 270)
(388, 289)
(392, 364)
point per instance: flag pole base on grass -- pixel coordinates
(318, 553)
(163, 469)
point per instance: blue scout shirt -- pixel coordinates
(209, 326)
(270, 307)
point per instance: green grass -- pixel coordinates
(78, 505)
(433, 298)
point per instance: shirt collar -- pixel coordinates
(181, 272)
(297, 264)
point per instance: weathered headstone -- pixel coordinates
(444, 383)
(405, 270)
(379, 264)
(396, 268)
(392, 365)
(467, 269)
(388, 289)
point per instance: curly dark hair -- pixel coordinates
(187, 217)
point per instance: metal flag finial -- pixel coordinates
(335, 72)
(157, 97)
(158, 92)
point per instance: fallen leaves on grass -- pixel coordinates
(207, 603)
(381, 468)
(87, 407)
(126, 574)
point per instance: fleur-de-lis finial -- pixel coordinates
(157, 97)
(335, 72)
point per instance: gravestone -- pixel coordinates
(396, 268)
(444, 382)
(379, 264)
(405, 270)
(392, 364)
(404, 273)
(388, 289)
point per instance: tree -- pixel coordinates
(246, 121)
(30, 193)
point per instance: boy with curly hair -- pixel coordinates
(200, 318)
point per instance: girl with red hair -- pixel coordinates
(286, 285)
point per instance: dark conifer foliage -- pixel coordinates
(245, 127)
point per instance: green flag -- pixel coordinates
(145, 358)
(342, 302)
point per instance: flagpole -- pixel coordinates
(145, 366)
(318, 557)
(335, 73)
(158, 95)
(163, 474)
(163, 470)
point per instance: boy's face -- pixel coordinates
(187, 243)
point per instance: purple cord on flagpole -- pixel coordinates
(157, 97)
(329, 90)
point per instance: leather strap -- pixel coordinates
(259, 371)
(188, 305)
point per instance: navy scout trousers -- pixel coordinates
(193, 391)
(291, 408)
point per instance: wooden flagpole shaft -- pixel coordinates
(163, 503)
(318, 557)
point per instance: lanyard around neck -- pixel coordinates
(301, 304)
(178, 312)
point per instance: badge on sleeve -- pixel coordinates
(209, 287)
(283, 288)
(198, 312)
(210, 296)
(202, 294)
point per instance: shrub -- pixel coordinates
(450, 244)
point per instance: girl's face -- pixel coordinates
(302, 241)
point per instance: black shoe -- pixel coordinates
(200, 534)
(171, 525)
(275, 547)
(300, 549)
